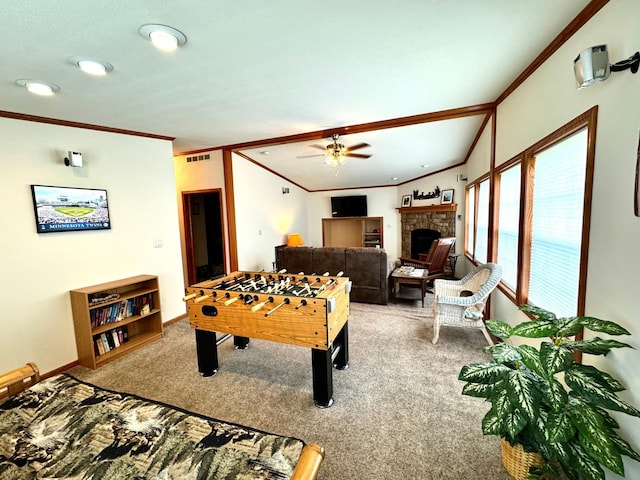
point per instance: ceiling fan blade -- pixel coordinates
(309, 156)
(319, 147)
(357, 155)
(358, 146)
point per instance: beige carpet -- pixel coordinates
(398, 411)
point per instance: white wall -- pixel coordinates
(38, 270)
(381, 202)
(193, 177)
(548, 100)
(264, 215)
(480, 159)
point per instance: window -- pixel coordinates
(482, 232)
(478, 220)
(508, 224)
(543, 218)
(471, 220)
(556, 229)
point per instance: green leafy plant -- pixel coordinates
(547, 402)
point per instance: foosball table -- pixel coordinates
(306, 310)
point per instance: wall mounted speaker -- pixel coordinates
(591, 65)
(74, 159)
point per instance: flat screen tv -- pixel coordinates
(349, 206)
(64, 209)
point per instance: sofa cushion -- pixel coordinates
(363, 266)
(298, 259)
(328, 259)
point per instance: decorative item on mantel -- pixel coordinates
(425, 196)
(406, 200)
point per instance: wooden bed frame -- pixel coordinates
(15, 381)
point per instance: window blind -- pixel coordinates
(508, 224)
(471, 197)
(558, 198)
(483, 222)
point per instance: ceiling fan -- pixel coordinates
(337, 153)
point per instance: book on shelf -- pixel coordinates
(118, 311)
(99, 346)
(107, 341)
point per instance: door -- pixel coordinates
(204, 239)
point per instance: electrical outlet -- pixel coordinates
(157, 243)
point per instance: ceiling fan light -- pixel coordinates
(331, 161)
(335, 154)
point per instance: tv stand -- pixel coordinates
(353, 232)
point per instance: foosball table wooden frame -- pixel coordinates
(305, 310)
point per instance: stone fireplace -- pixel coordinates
(440, 219)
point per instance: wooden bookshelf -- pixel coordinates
(116, 326)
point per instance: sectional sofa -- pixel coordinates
(366, 267)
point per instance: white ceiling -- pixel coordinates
(255, 70)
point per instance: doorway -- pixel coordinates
(204, 240)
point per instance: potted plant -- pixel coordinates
(547, 403)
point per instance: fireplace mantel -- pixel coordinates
(450, 207)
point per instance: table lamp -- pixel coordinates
(295, 240)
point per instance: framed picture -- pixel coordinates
(447, 196)
(406, 200)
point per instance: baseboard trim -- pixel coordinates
(75, 363)
(59, 370)
(176, 319)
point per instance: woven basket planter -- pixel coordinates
(517, 461)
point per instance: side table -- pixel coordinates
(402, 275)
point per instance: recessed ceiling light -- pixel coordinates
(424, 165)
(394, 178)
(163, 37)
(38, 87)
(91, 66)
(265, 152)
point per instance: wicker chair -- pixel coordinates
(453, 310)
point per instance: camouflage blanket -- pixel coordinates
(65, 428)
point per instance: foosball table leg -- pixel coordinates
(322, 377)
(240, 342)
(340, 357)
(207, 352)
